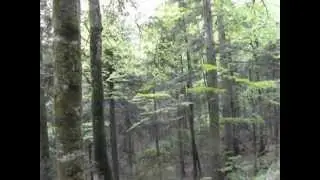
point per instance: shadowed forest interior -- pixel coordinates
(159, 90)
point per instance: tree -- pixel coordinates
(44, 139)
(213, 102)
(68, 90)
(160, 80)
(190, 110)
(99, 135)
(113, 123)
(156, 128)
(230, 100)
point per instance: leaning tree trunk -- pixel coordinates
(68, 91)
(44, 139)
(213, 102)
(99, 134)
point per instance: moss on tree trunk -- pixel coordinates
(213, 102)
(99, 135)
(44, 139)
(68, 93)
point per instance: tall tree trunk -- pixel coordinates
(262, 140)
(254, 45)
(254, 127)
(90, 153)
(190, 111)
(44, 139)
(181, 143)
(276, 119)
(226, 84)
(67, 100)
(190, 117)
(129, 142)
(156, 134)
(213, 102)
(113, 128)
(99, 134)
(181, 131)
(277, 131)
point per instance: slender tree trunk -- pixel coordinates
(190, 116)
(113, 130)
(181, 131)
(262, 144)
(227, 84)
(255, 45)
(99, 134)
(213, 102)
(156, 133)
(68, 91)
(276, 120)
(190, 113)
(254, 127)
(277, 131)
(181, 144)
(44, 139)
(90, 153)
(129, 141)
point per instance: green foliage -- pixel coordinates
(158, 54)
(233, 120)
(256, 84)
(204, 89)
(240, 167)
(157, 95)
(209, 67)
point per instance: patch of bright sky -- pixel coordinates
(147, 8)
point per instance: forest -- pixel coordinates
(159, 90)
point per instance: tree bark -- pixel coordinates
(129, 148)
(97, 99)
(113, 129)
(213, 102)
(181, 131)
(68, 92)
(157, 138)
(226, 84)
(44, 138)
(190, 110)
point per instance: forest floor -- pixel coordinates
(268, 168)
